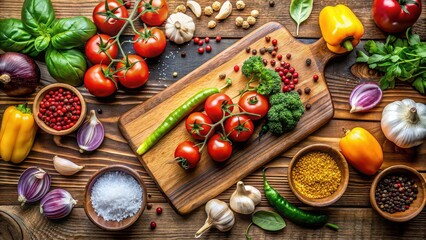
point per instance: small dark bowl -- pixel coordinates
(98, 220)
(415, 207)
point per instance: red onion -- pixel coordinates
(91, 133)
(57, 204)
(33, 184)
(365, 96)
(19, 74)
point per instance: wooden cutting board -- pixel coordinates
(187, 190)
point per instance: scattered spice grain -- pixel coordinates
(308, 106)
(307, 90)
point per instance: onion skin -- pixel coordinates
(33, 184)
(91, 134)
(364, 97)
(57, 204)
(19, 74)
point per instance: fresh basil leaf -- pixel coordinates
(67, 66)
(37, 16)
(15, 38)
(41, 43)
(72, 32)
(267, 220)
(300, 11)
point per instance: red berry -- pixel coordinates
(279, 57)
(283, 78)
(153, 225)
(273, 54)
(159, 210)
(274, 42)
(291, 70)
(315, 77)
(200, 43)
(287, 65)
(207, 39)
(277, 69)
(286, 81)
(291, 86)
(236, 68)
(295, 80)
(295, 75)
(196, 40)
(208, 48)
(285, 89)
(282, 63)
(200, 50)
(218, 38)
(281, 73)
(272, 62)
(288, 56)
(285, 71)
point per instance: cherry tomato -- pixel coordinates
(395, 16)
(108, 25)
(150, 42)
(218, 104)
(197, 125)
(187, 155)
(132, 72)
(218, 148)
(99, 81)
(155, 13)
(239, 128)
(252, 102)
(96, 50)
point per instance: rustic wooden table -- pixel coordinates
(352, 212)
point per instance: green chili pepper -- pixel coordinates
(174, 118)
(288, 210)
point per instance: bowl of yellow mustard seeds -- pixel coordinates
(318, 175)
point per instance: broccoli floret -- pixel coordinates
(285, 112)
(252, 66)
(270, 82)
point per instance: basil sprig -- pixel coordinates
(300, 11)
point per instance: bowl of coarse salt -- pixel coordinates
(115, 197)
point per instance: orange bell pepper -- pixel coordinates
(340, 28)
(362, 150)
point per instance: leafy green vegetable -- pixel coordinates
(15, 38)
(269, 80)
(266, 220)
(41, 43)
(403, 59)
(66, 65)
(37, 16)
(285, 112)
(72, 32)
(300, 11)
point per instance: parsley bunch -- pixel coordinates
(403, 59)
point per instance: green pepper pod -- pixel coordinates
(174, 118)
(288, 210)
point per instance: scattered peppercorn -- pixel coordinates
(99, 111)
(262, 51)
(274, 42)
(254, 51)
(270, 49)
(265, 62)
(308, 106)
(183, 54)
(273, 63)
(153, 225)
(200, 50)
(149, 206)
(308, 62)
(276, 48)
(236, 68)
(288, 55)
(315, 77)
(200, 43)
(307, 90)
(159, 210)
(271, 3)
(299, 91)
(218, 38)
(175, 74)
(274, 54)
(222, 76)
(267, 39)
(207, 40)
(208, 48)
(149, 195)
(196, 40)
(248, 49)
(279, 57)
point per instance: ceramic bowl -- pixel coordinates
(36, 107)
(415, 207)
(98, 220)
(341, 163)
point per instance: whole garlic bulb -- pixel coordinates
(404, 123)
(180, 28)
(245, 198)
(219, 215)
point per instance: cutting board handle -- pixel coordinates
(321, 53)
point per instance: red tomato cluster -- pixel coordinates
(131, 71)
(207, 127)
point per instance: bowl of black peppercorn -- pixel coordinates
(398, 193)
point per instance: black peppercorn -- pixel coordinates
(308, 62)
(262, 50)
(222, 76)
(183, 54)
(267, 38)
(254, 51)
(99, 111)
(307, 90)
(299, 91)
(248, 49)
(308, 106)
(271, 3)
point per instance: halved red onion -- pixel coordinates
(33, 184)
(365, 96)
(91, 133)
(57, 204)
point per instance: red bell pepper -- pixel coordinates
(395, 16)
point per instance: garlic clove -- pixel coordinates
(195, 8)
(65, 167)
(219, 215)
(225, 11)
(245, 198)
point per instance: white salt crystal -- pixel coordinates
(116, 195)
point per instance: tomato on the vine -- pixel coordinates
(150, 42)
(187, 155)
(217, 106)
(132, 71)
(105, 14)
(155, 12)
(96, 49)
(198, 125)
(255, 103)
(239, 128)
(219, 148)
(99, 81)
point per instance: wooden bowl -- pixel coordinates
(98, 220)
(415, 207)
(341, 163)
(40, 96)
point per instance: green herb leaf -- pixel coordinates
(15, 38)
(361, 56)
(269, 221)
(72, 32)
(420, 84)
(300, 11)
(37, 16)
(41, 43)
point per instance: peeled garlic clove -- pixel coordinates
(91, 133)
(195, 8)
(57, 204)
(225, 11)
(65, 167)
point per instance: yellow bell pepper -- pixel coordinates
(340, 28)
(17, 134)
